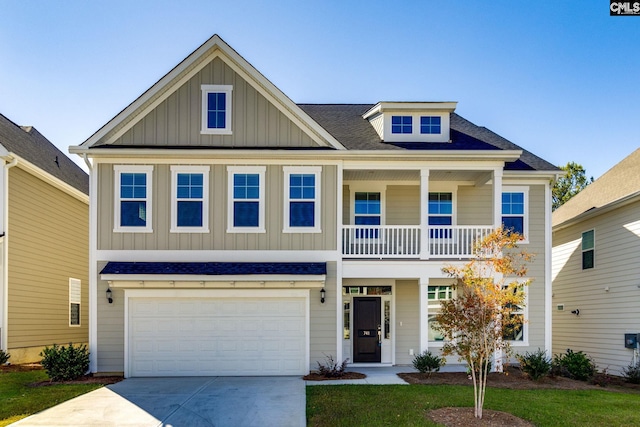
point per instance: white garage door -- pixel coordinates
(217, 336)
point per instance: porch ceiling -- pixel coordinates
(414, 175)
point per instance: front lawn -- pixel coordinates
(407, 405)
(19, 400)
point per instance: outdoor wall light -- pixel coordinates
(576, 312)
(109, 298)
(323, 293)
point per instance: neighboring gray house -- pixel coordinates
(234, 232)
(596, 267)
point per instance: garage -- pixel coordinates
(232, 333)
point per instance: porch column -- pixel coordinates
(424, 213)
(423, 304)
(497, 198)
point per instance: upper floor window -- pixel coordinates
(431, 124)
(216, 109)
(368, 211)
(132, 198)
(246, 199)
(189, 199)
(440, 213)
(302, 199)
(588, 249)
(514, 208)
(401, 124)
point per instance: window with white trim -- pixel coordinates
(515, 329)
(368, 212)
(430, 125)
(190, 199)
(588, 249)
(302, 199)
(246, 199)
(75, 294)
(514, 210)
(440, 214)
(401, 124)
(132, 206)
(216, 109)
(436, 294)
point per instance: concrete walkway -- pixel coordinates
(382, 375)
(182, 402)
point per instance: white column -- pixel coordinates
(424, 314)
(424, 213)
(547, 269)
(497, 197)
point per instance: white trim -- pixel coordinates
(219, 256)
(204, 170)
(75, 297)
(231, 280)
(423, 310)
(50, 179)
(548, 262)
(118, 170)
(367, 187)
(206, 90)
(582, 251)
(525, 216)
(260, 171)
(93, 270)
(415, 135)
(316, 171)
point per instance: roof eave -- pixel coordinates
(595, 211)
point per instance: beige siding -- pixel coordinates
(177, 120)
(323, 324)
(407, 315)
(605, 316)
(403, 205)
(474, 205)
(217, 238)
(47, 245)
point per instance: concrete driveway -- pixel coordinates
(180, 402)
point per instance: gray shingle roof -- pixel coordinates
(620, 181)
(345, 123)
(32, 146)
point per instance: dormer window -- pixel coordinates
(401, 124)
(431, 125)
(216, 109)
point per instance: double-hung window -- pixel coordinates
(246, 199)
(302, 199)
(588, 249)
(189, 199)
(401, 124)
(216, 109)
(430, 124)
(513, 329)
(436, 294)
(514, 211)
(440, 214)
(367, 213)
(133, 189)
(75, 294)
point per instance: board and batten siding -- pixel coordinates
(177, 120)
(323, 322)
(407, 324)
(608, 295)
(217, 238)
(48, 244)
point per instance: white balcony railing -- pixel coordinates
(403, 241)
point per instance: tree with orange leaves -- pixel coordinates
(490, 291)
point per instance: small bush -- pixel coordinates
(4, 357)
(331, 369)
(632, 373)
(535, 365)
(601, 378)
(575, 365)
(428, 363)
(65, 363)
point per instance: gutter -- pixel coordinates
(4, 336)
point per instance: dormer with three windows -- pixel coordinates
(411, 121)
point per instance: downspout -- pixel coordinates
(4, 338)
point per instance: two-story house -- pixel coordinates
(234, 232)
(44, 245)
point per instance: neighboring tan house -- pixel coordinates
(44, 245)
(234, 232)
(596, 268)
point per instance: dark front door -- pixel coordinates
(366, 330)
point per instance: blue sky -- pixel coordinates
(559, 78)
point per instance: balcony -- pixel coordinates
(405, 241)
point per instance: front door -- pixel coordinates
(367, 330)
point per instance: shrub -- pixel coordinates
(535, 365)
(601, 378)
(428, 363)
(331, 369)
(575, 365)
(632, 373)
(4, 357)
(65, 363)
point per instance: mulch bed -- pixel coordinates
(314, 376)
(462, 417)
(86, 379)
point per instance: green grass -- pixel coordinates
(18, 400)
(401, 405)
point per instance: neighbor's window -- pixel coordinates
(302, 199)
(189, 194)
(133, 198)
(514, 211)
(74, 302)
(246, 199)
(401, 124)
(588, 249)
(431, 124)
(216, 109)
